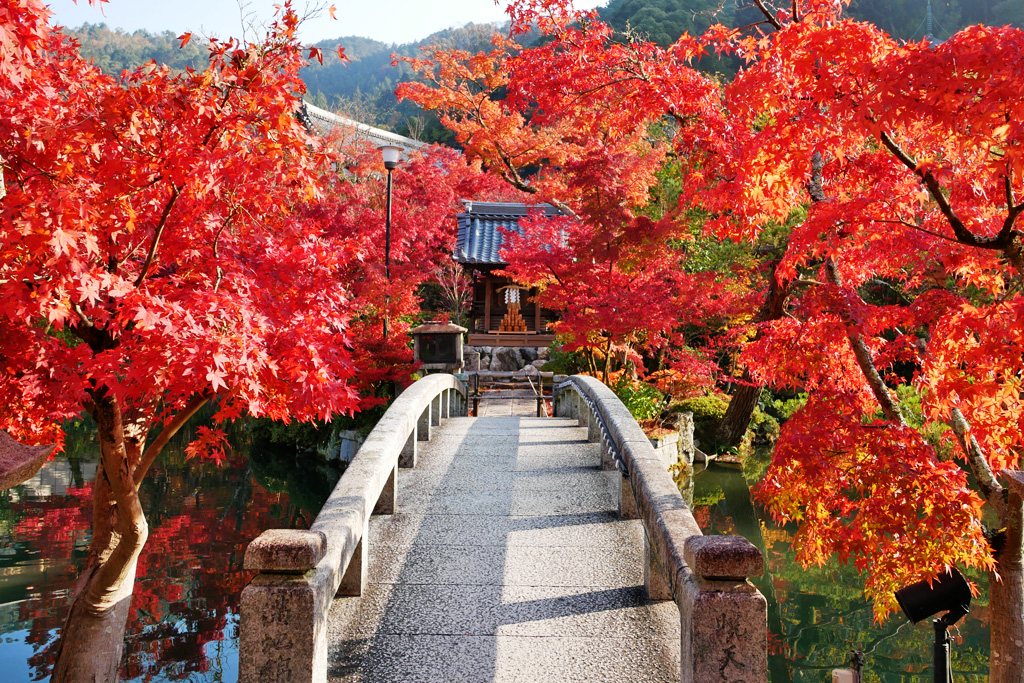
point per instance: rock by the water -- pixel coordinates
(18, 462)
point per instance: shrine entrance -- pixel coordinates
(503, 313)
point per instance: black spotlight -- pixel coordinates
(947, 593)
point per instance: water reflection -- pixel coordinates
(183, 623)
(816, 616)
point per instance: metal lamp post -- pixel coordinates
(391, 154)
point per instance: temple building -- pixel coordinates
(502, 313)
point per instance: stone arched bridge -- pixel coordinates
(507, 548)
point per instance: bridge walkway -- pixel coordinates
(506, 560)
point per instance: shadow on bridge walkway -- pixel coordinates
(506, 560)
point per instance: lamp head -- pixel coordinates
(391, 154)
(948, 592)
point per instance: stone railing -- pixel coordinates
(283, 630)
(723, 617)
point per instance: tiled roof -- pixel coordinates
(324, 121)
(479, 242)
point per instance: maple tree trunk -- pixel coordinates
(607, 362)
(92, 644)
(93, 636)
(737, 416)
(1006, 602)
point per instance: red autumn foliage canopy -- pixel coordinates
(892, 173)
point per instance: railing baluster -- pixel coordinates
(723, 618)
(283, 612)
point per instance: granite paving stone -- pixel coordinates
(596, 529)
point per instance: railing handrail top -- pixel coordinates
(350, 500)
(668, 521)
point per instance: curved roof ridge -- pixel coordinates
(328, 120)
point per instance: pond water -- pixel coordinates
(184, 619)
(184, 615)
(816, 616)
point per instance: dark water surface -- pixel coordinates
(184, 616)
(817, 615)
(184, 619)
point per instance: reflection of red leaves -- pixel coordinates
(55, 527)
(777, 645)
(189, 575)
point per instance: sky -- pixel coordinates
(389, 21)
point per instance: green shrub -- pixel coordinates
(565, 362)
(764, 426)
(913, 412)
(707, 411)
(642, 400)
(783, 409)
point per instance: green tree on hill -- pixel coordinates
(663, 21)
(115, 50)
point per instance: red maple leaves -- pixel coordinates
(885, 178)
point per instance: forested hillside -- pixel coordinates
(114, 50)
(665, 20)
(364, 88)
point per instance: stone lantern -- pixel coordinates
(438, 346)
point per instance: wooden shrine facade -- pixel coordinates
(496, 317)
(490, 310)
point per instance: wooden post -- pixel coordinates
(476, 395)
(536, 313)
(540, 395)
(488, 292)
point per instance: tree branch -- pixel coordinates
(865, 360)
(216, 242)
(889, 405)
(175, 193)
(964, 235)
(169, 430)
(768, 15)
(1008, 241)
(991, 489)
(914, 226)
(814, 187)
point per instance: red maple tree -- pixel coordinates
(568, 123)
(153, 257)
(887, 178)
(905, 272)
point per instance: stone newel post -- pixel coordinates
(723, 617)
(285, 629)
